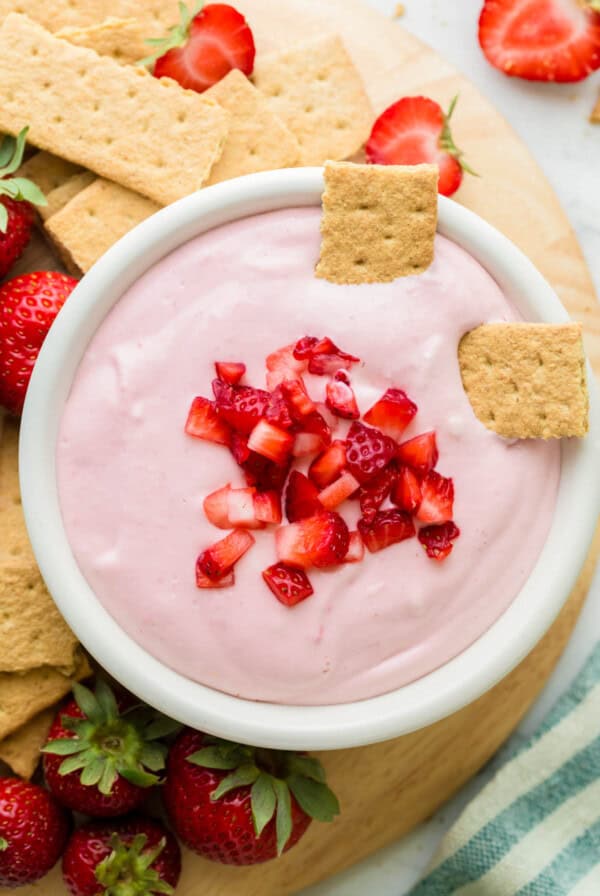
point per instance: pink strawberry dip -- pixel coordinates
(132, 483)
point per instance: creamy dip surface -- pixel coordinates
(132, 483)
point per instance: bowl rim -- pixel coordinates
(421, 703)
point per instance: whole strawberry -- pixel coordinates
(136, 856)
(17, 194)
(33, 832)
(101, 755)
(242, 805)
(28, 307)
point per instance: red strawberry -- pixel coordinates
(271, 442)
(17, 197)
(336, 493)
(328, 466)
(230, 371)
(303, 349)
(239, 805)
(282, 366)
(206, 45)
(265, 474)
(406, 493)
(28, 307)
(415, 130)
(278, 411)
(420, 453)
(131, 855)
(297, 399)
(301, 498)
(541, 40)
(203, 581)
(216, 508)
(241, 407)
(101, 755)
(392, 413)
(317, 425)
(341, 400)
(239, 448)
(437, 540)
(219, 559)
(289, 585)
(306, 444)
(387, 527)
(267, 507)
(437, 503)
(33, 832)
(241, 509)
(368, 451)
(356, 548)
(320, 540)
(373, 494)
(203, 422)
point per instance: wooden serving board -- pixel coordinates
(387, 789)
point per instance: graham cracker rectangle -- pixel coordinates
(21, 751)
(526, 380)
(315, 88)
(94, 220)
(48, 171)
(258, 140)
(155, 16)
(121, 39)
(62, 195)
(378, 222)
(595, 116)
(118, 120)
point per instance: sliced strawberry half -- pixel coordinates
(437, 502)
(356, 548)
(392, 413)
(203, 422)
(437, 540)
(328, 466)
(241, 407)
(406, 493)
(321, 540)
(336, 493)
(301, 498)
(271, 442)
(541, 40)
(203, 581)
(219, 559)
(290, 586)
(368, 451)
(373, 494)
(230, 372)
(216, 507)
(386, 528)
(341, 400)
(241, 509)
(296, 396)
(420, 453)
(267, 507)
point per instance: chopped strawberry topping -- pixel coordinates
(336, 493)
(320, 540)
(202, 581)
(219, 559)
(306, 443)
(392, 413)
(356, 549)
(304, 347)
(437, 540)
(301, 498)
(203, 422)
(387, 527)
(230, 371)
(373, 494)
(278, 411)
(406, 492)
(267, 507)
(437, 504)
(341, 400)
(239, 448)
(282, 366)
(420, 453)
(241, 406)
(317, 425)
(241, 509)
(216, 507)
(264, 473)
(297, 398)
(271, 442)
(368, 451)
(327, 467)
(289, 585)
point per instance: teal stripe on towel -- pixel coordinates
(569, 867)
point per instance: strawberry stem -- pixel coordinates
(128, 871)
(447, 141)
(176, 36)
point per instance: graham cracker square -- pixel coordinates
(121, 39)
(21, 751)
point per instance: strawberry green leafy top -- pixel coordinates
(17, 188)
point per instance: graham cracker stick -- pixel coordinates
(147, 134)
(48, 171)
(121, 39)
(526, 380)
(155, 16)
(378, 222)
(22, 749)
(317, 91)
(62, 195)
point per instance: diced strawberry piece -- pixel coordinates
(271, 441)
(316, 424)
(230, 371)
(341, 400)
(282, 366)
(336, 493)
(327, 365)
(221, 390)
(373, 494)
(356, 549)
(368, 451)
(241, 509)
(264, 473)
(267, 507)
(202, 581)
(406, 492)
(392, 413)
(297, 398)
(437, 540)
(328, 466)
(306, 443)
(219, 559)
(387, 527)
(320, 540)
(303, 348)
(216, 508)
(278, 411)
(437, 503)
(301, 498)
(203, 422)
(239, 448)
(242, 406)
(289, 585)
(420, 453)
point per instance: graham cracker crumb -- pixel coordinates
(399, 10)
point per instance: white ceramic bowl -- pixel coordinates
(416, 705)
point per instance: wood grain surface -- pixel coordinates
(387, 789)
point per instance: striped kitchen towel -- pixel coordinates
(534, 830)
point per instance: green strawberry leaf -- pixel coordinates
(15, 149)
(221, 757)
(283, 820)
(307, 767)
(26, 190)
(153, 756)
(73, 764)
(63, 746)
(138, 777)
(127, 869)
(162, 726)
(241, 777)
(176, 36)
(263, 802)
(92, 772)
(107, 781)
(3, 844)
(106, 700)
(315, 798)
(3, 218)
(87, 703)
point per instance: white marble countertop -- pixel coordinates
(553, 121)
